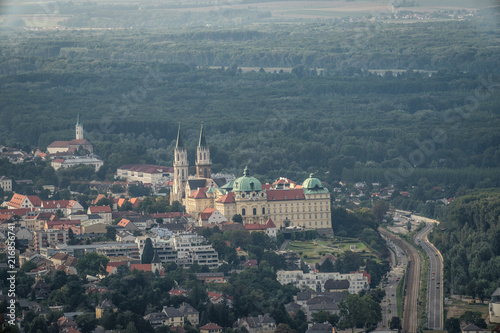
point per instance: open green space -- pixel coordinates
(313, 251)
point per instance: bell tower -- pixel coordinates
(78, 129)
(203, 162)
(181, 167)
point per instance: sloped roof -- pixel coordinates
(200, 193)
(471, 327)
(207, 212)
(146, 168)
(280, 195)
(99, 209)
(211, 326)
(255, 226)
(270, 224)
(172, 312)
(227, 198)
(196, 183)
(186, 308)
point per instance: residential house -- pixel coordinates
(67, 207)
(174, 317)
(24, 201)
(471, 328)
(41, 289)
(211, 328)
(211, 216)
(103, 306)
(104, 211)
(216, 277)
(260, 324)
(190, 313)
(315, 281)
(125, 236)
(320, 328)
(6, 184)
(48, 238)
(269, 228)
(128, 225)
(494, 306)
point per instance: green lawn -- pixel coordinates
(313, 251)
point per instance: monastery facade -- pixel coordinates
(287, 203)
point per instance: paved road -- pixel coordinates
(389, 303)
(435, 282)
(413, 268)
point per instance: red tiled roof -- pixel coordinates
(141, 267)
(255, 226)
(135, 201)
(228, 198)
(267, 187)
(199, 194)
(79, 142)
(207, 212)
(121, 201)
(270, 224)
(166, 215)
(292, 194)
(99, 209)
(51, 224)
(59, 144)
(58, 160)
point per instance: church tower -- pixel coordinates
(203, 162)
(78, 129)
(180, 170)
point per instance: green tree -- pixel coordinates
(452, 325)
(93, 264)
(237, 218)
(86, 322)
(395, 324)
(148, 252)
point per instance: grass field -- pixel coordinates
(312, 251)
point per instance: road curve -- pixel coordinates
(412, 282)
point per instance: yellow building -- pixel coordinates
(286, 203)
(307, 206)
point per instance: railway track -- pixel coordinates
(412, 282)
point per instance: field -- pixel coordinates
(459, 307)
(312, 251)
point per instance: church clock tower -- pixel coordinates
(203, 162)
(78, 129)
(180, 170)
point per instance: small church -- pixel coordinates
(70, 147)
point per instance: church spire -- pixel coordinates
(78, 119)
(78, 128)
(202, 142)
(180, 143)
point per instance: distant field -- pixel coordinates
(458, 308)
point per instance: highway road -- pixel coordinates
(435, 280)
(413, 269)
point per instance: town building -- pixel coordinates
(145, 173)
(70, 161)
(494, 306)
(24, 201)
(316, 281)
(49, 238)
(6, 183)
(260, 324)
(211, 328)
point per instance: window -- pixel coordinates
(263, 210)
(243, 211)
(255, 211)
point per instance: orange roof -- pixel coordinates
(135, 201)
(123, 222)
(270, 224)
(207, 212)
(121, 201)
(57, 203)
(17, 200)
(58, 160)
(141, 267)
(100, 209)
(228, 198)
(200, 193)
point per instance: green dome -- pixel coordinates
(312, 184)
(247, 183)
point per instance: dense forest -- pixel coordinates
(324, 115)
(469, 239)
